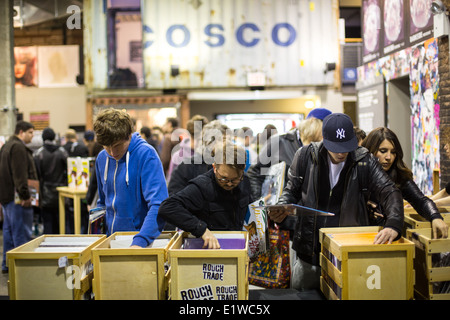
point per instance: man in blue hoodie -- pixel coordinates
(131, 182)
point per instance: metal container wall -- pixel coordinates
(216, 43)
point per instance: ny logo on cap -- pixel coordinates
(340, 133)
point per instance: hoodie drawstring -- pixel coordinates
(128, 158)
(105, 175)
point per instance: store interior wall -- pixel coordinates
(66, 106)
(399, 115)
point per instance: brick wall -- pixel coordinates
(444, 101)
(50, 33)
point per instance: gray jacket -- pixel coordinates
(287, 143)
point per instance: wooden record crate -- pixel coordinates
(210, 274)
(52, 267)
(432, 271)
(124, 273)
(413, 220)
(353, 268)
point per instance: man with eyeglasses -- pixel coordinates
(215, 200)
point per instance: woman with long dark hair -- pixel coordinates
(384, 145)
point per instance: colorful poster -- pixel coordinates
(394, 26)
(420, 63)
(40, 120)
(424, 88)
(420, 20)
(25, 66)
(371, 24)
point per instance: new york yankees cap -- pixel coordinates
(338, 134)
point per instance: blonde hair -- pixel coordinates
(70, 134)
(310, 130)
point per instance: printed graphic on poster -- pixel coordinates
(420, 20)
(40, 120)
(255, 223)
(58, 66)
(273, 184)
(394, 25)
(25, 66)
(371, 24)
(425, 110)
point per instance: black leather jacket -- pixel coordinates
(421, 203)
(353, 210)
(204, 204)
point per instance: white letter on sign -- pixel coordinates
(74, 276)
(374, 280)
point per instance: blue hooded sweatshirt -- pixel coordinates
(132, 190)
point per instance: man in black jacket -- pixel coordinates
(16, 168)
(215, 200)
(327, 176)
(51, 165)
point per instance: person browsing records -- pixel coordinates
(215, 200)
(328, 176)
(130, 177)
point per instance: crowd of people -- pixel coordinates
(202, 178)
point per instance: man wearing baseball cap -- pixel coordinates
(333, 176)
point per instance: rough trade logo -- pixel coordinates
(340, 133)
(213, 271)
(201, 293)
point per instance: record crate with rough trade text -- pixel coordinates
(353, 268)
(52, 267)
(413, 220)
(431, 264)
(209, 274)
(124, 273)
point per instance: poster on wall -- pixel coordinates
(371, 102)
(394, 25)
(25, 66)
(420, 20)
(389, 26)
(58, 66)
(424, 79)
(40, 120)
(371, 24)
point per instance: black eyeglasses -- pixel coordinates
(221, 179)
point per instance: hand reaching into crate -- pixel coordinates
(210, 241)
(387, 235)
(440, 229)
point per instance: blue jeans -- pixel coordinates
(17, 227)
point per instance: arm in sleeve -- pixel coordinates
(19, 172)
(154, 192)
(422, 204)
(99, 173)
(292, 192)
(178, 209)
(383, 189)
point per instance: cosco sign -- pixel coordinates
(247, 35)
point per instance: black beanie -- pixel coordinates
(48, 134)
